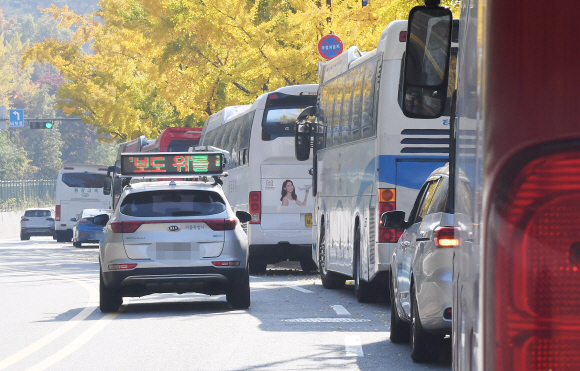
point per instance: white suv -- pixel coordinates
(173, 237)
(36, 222)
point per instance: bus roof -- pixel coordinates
(82, 167)
(307, 89)
(172, 133)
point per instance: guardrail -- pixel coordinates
(17, 194)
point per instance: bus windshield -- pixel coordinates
(83, 180)
(281, 113)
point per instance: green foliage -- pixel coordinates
(13, 160)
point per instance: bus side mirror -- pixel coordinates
(107, 185)
(302, 134)
(426, 62)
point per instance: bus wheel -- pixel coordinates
(364, 291)
(59, 236)
(424, 346)
(308, 265)
(258, 267)
(330, 280)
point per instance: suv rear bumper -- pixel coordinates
(144, 281)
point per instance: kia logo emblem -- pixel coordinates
(173, 228)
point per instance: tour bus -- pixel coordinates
(174, 139)
(264, 176)
(516, 276)
(78, 187)
(368, 158)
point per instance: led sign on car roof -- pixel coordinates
(171, 163)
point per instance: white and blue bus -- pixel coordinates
(368, 158)
(265, 178)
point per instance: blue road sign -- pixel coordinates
(16, 118)
(330, 46)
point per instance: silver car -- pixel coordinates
(421, 268)
(36, 222)
(173, 237)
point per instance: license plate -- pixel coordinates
(308, 220)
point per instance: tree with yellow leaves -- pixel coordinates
(159, 63)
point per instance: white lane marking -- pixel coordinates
(353, 346)
(76, 344)
(340, 310)
(298, 288)
(69, 325)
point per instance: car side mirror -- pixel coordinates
(73, 219)
(426, 62)
(394, 219)
(101, 220)
(243, 216)
(107, 185)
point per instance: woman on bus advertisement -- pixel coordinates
(289, 194)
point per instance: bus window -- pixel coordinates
(367, 125)
(337, 86)
(347, 109)
(357, 103)
(234, 143)
(83, 180)
(245, 133)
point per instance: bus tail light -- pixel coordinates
(447, 236)
(532, 260)
(255, 207)
(387, 202)
(57, 213)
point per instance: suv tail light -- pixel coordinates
(447, 236)
(387, 202)
(57, 213)
(50, 219)
(221, 224)
(531, 262)
(24, 219)
(84, 221)
(125, 227)
(255, 207)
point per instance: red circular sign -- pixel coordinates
(330, 46)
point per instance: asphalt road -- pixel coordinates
(51, 321)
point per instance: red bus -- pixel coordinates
(515, 135)
(174, 140)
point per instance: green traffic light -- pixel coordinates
(48, 125)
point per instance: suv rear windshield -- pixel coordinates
(172, 203)
(281, 113)
(83, 180)
(37, 213)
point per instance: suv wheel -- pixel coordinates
(77, 244)
(109, 299)
(239, 293)
(364, 291)
(24, 236)
(330, 280)
(400, 330)
(424, 346)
